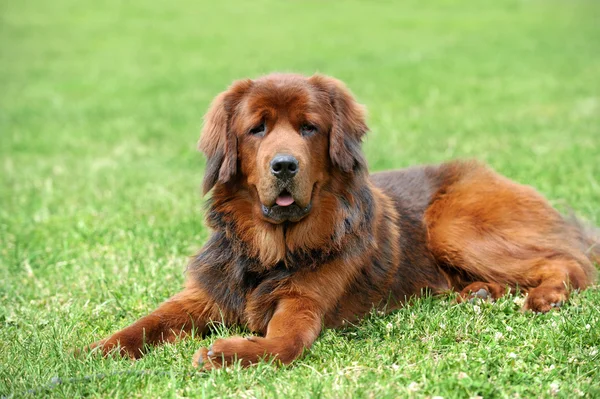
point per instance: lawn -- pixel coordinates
(101, 104)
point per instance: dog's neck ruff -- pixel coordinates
(331, 228)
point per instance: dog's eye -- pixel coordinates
(258, 130)
(307, 129)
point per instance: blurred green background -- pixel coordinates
(100, 110)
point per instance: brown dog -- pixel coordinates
(303, 238)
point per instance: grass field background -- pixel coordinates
(100, 109)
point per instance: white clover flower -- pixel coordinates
(519, 300)
(413, 387)
(512, 355)
(498, 336)
(477, 309)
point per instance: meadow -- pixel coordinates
(101, 105)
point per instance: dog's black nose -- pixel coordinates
(284, 166)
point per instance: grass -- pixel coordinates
(100, 108)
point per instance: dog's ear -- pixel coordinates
(348, 127)
(217, 142)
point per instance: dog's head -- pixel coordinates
(282, 138)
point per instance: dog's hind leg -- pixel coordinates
(557, 277)
(484, 228)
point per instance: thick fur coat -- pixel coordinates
(304, 238)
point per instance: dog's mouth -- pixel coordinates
(284, 199)
(285, 209)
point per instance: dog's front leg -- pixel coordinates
(294, 327)
(187, 310)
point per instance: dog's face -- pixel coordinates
(281, 138)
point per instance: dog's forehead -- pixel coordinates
(281, 79)
(283, 93)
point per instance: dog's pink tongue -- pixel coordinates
(284, 200)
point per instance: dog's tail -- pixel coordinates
(589, 236)
(592, 237)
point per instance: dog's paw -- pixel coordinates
(225, 352)
(481, 291)
(200, 357)
(482, 294)
(543, 299)
(93, 349)
(117, 344)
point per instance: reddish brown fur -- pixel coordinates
(367, 241)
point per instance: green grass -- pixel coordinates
(100, 108)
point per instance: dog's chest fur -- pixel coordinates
(382, 275)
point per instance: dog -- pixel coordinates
(303, 238)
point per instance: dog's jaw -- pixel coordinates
(286, 207)
(277, 214)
